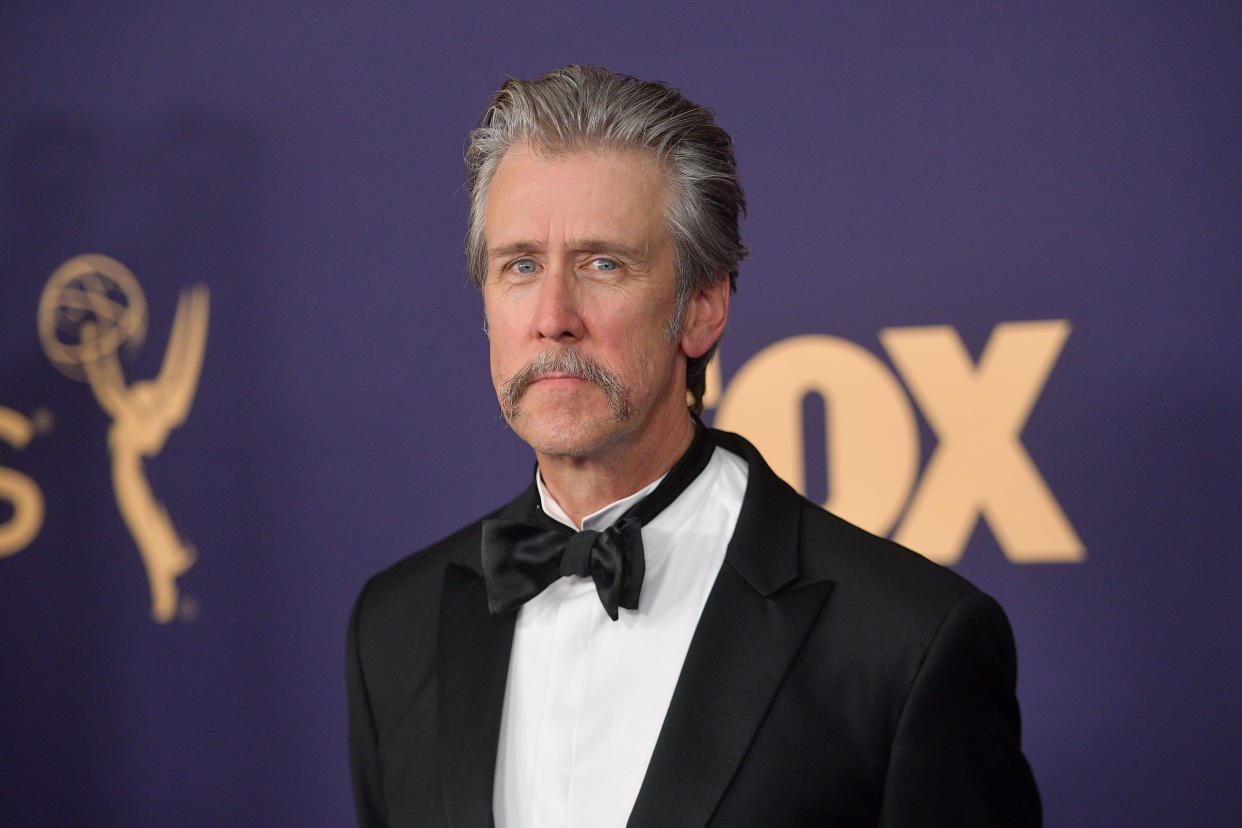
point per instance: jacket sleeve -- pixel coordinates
(956, 756)
(363, 742)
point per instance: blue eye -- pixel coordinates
(524, 266)
(604, 264)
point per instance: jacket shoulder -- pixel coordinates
(858, 561)
(777, 523)
(889, 606)
(404, 599)
(418, 575)
(406, 595)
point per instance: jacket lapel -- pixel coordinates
(756, 618)
(472, 665)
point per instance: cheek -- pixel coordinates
(646, 356)
(503, 360)
(499, 327)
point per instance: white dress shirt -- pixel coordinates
(586, 696)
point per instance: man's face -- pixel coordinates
(580, 288)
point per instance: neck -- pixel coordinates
(583, 485)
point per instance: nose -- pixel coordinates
(558, 317)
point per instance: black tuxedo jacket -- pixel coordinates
(835, 678)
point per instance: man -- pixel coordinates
(711, 648)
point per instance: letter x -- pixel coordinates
(979, 466)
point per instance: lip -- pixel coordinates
(557, 378)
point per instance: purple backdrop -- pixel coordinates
(904, 166)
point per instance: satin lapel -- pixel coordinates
(756, 618)
(473, 665)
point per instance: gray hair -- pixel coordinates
(578, 108)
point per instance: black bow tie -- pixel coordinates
(520, 559)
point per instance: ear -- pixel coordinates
(706, 315)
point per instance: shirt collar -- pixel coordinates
(598, 520)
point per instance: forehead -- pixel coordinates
(541, 196)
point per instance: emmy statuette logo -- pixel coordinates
(91, 309)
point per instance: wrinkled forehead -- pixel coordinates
(567, 192)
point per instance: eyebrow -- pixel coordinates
(616, 248)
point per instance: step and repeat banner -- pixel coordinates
(991, 311)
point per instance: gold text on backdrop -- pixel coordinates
(979, 467)
(22, 493)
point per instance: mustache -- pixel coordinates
(568, 362)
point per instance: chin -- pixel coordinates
(567, 433)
